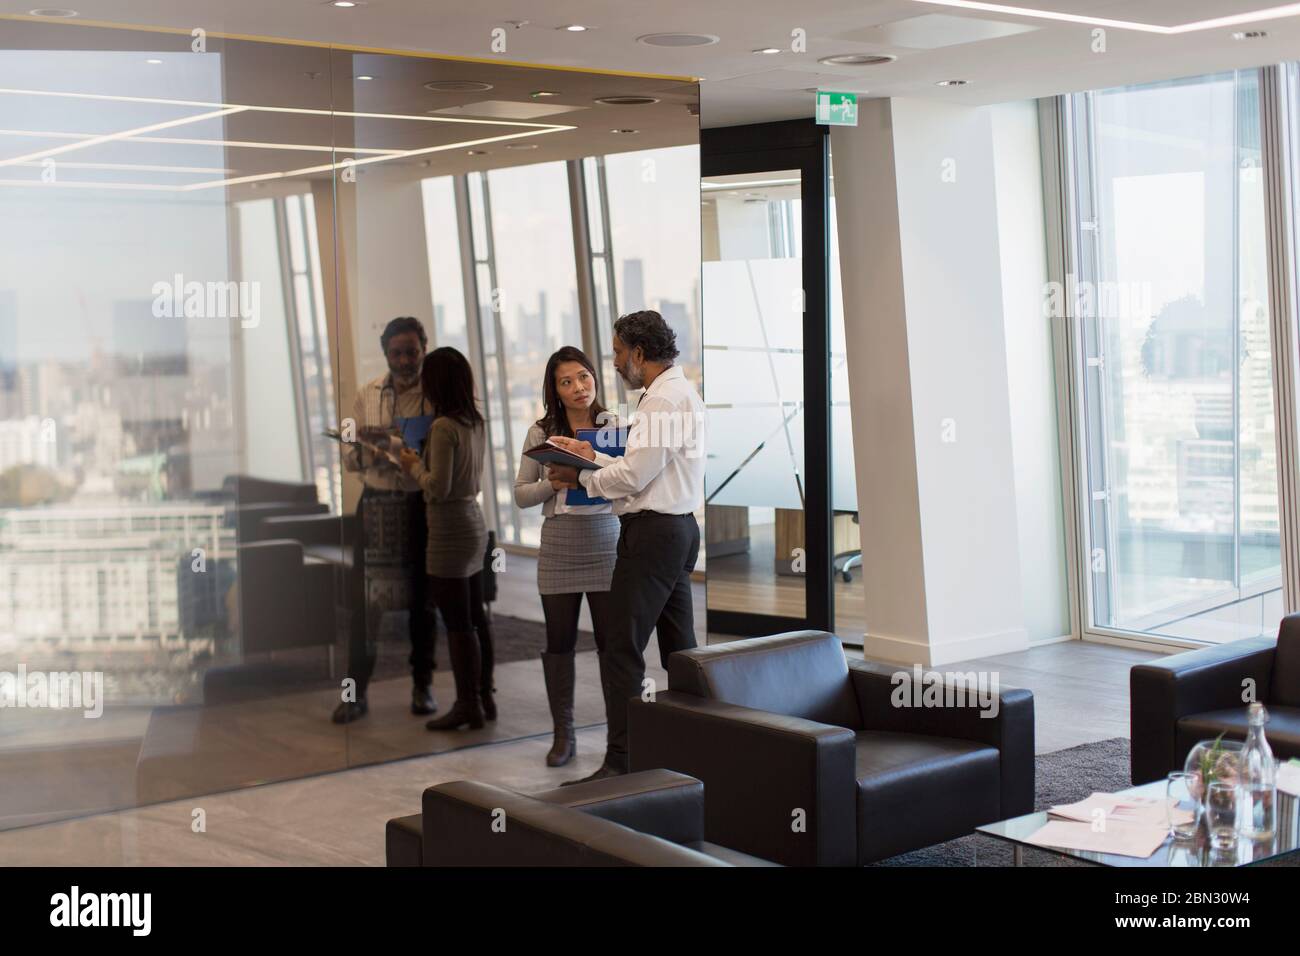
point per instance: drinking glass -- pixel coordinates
(1178, 796)
(1221, 814)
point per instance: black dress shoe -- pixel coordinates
(349, 711)
(422, 700)
(604, 773)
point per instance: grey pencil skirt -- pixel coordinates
(577, 553)
(457, 539)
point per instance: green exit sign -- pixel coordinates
(837, 109)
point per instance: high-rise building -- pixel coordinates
(631, 298)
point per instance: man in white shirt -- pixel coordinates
(656, 487)
(392, 403)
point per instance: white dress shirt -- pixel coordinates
(663, 467)
(377, 405)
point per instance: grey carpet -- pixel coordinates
(1063, 776)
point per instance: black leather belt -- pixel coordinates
(651, 514)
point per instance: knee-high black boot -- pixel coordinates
(558, 669)
(466, 666)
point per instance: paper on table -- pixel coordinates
(1288, 777)
(1145, 811)
(1122, 839)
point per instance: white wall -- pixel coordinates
(1030, 378)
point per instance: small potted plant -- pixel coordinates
(1212, 760)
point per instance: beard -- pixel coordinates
(405, 380)
(633, 375)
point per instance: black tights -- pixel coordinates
(561, 612)
(460, 602)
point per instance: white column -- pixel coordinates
(932, 429)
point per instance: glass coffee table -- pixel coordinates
(1195, 852)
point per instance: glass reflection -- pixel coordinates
(201, 255)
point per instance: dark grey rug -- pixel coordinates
(513, 639)
(1063, 776)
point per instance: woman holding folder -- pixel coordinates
(578, 544)
(448, 474)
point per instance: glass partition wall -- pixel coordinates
(204, 243)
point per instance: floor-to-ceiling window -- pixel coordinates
(655, 242)
(1169, 293)
(642, 244)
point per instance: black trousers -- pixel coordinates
(363, 639)
(652, 592)
(561, 611)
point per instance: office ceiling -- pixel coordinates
(83, 108)
(1013, 50)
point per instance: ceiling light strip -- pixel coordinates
(65, 184)
(159, 101)
(331, 167)
(185, 141)
(141, 168)
(124, 134)
(1236, 19)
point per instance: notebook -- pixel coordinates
(608, 441)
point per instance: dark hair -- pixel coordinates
(555, 420)
(448, 384)
(648, 330)
(400, 326)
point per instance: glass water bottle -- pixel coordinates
(1258, 781)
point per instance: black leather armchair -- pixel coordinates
(807, 761)
(1186, 698)
(654, 818)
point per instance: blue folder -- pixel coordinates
(608, 441)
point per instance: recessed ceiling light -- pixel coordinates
(767, 50)
(363, 77)
(574, 28)
(476, 152)
(1249, 35)
(521, 145)
(457, 86)
(626, 100)
(952, 83)
(678, 39)
(625, 132)
(153, 62)
(858, 59)
(343, 4)
(53, 12)
(537, 95)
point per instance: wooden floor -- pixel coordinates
(1080, 695)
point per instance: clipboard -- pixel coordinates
(608, 441)
(549, 454)
(384, 455)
